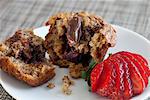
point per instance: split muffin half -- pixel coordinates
(76, 38)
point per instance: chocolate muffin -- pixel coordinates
(76, 38)
(23, 56)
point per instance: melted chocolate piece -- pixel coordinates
(74, 31)
(73, 35)
(76, 57)
(84, 59)
(71, 56)
(31, 53)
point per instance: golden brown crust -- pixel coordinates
(14, 69)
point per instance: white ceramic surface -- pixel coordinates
(127, 40)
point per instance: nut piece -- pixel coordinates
(51, 85)
(66, 85)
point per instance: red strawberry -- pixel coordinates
(112, 91)
(143, 62)
(141, 58)
(136, 78)
(104, 81)
(121, 76)
(118, 85)
(138, 65)
(95, 74)
(127, 93)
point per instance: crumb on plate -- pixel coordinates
(51, 85)
(66, 85)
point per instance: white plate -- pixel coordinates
(127, 40)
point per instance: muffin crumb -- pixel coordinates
(75, 71)
(51, 85)
(66, 85)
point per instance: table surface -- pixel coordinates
(23, 14)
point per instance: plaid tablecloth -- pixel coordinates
(16, 14)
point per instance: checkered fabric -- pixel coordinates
(16, 14)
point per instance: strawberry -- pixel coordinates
(136, 78)
(95, 74)
(104, 81)
(120, 76)
(138, 65)
(141, 58)
(127, 93)
(118, 85)
(127, 87)
(143, 62)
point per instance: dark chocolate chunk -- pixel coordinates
(92, 30)
(71, 56)
(31, 53)
(74, 31)
(38, 52)
(84, 59)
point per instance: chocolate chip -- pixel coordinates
(71, 56)
(74, 31)
(93, 29)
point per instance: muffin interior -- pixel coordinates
(26, 52)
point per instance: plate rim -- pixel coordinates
(135, 33)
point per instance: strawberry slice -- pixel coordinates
(119, 87)
(95, 74)
(136, 78)
(141, 58)
(104, 82)
(112, 91)
(127, 93)
(143, 62)
(138, 65)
